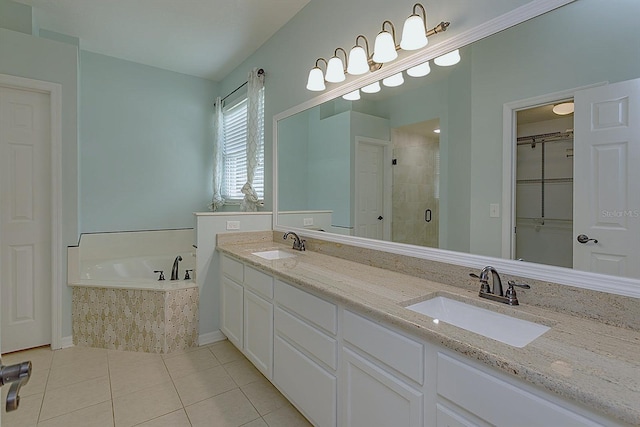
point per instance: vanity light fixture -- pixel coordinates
(316, 77)
(414, 32)
(385, 49)
(563, 109)
(372, 88)
(448, 59)
(352, 96)
(359, 61)
(359, 58)
(393, 81)
(335, 69)
(420, 70)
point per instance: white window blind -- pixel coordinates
(235, 152)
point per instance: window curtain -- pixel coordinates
(217, 200)
(255, 121)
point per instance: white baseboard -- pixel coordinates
(66, 342)
(211, 337)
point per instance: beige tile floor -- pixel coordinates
(213, 385)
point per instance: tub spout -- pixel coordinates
(174, 269)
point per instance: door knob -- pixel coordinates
(583, 238)
(380, 218)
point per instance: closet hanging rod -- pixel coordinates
(260, 72)
(544, 137)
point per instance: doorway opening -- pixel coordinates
(544, 185)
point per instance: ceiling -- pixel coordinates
(203, 38)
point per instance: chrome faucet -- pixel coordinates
(497, 294)
(298, 244)
(174, 269)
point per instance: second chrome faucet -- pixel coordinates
(496, 292)
(298, 244)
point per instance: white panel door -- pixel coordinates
(25, 218)
(370, 190)
(606, 177)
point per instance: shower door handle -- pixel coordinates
(427, 215)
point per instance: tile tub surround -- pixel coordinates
(588, 362)
(159, 321)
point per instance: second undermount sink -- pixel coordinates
(275, 254)
(507, 329)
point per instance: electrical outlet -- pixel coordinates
(307, 221)
(233, 225)
(494, 210)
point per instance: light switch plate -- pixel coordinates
(233, 225)
(494, 210)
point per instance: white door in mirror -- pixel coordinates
(606, 199)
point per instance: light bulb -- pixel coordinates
(316, 80)
(358, 61)
(385, 48)
(563, 109)
(419, 70)
(413, 34)
(451, 58)
(372, 88)
(393, 81)
(335, 71)
(352, 96)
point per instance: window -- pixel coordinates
(234, 152)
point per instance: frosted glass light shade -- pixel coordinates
(413, 34)
(451, 58)
(385, 48)
(393, 81)
(335, 71)
(563, 109)
(358, 61)
(419, 70)
(352, 96)
(316, 80)
(372, 88)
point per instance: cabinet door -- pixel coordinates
(231, 308)
(373, 397)
(311, 388)
(258, 331)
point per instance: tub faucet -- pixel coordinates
(174, 269)
(297, 243)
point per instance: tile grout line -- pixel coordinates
(44, 393)
(113, 408)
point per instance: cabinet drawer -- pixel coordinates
(259, 282)
(321, 346)
(399, 352)
(317, 311)
(232, 268)
(496, 401)
(312, 389)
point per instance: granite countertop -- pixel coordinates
(593, 364)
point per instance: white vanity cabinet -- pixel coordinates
(381, 377)
(232, 300)
(469, 394)
(305, 352)
(246, 309)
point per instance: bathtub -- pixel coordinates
(119, 303)
(136, 273)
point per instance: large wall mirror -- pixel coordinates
(471, 158)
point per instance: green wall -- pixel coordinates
(145, 158)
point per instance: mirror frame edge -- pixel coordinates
(581, 279)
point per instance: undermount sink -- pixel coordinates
(509, 330)
(275, 254)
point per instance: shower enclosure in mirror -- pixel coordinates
(469, 186)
